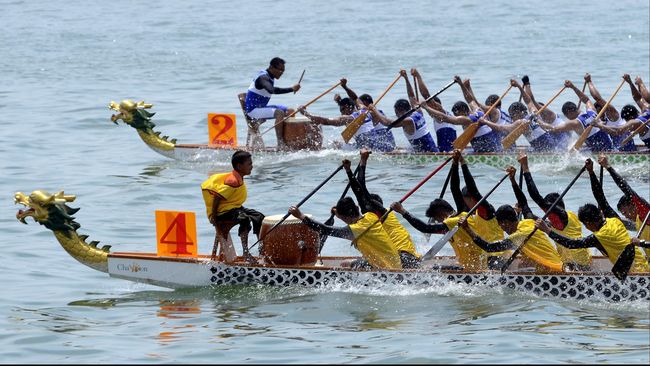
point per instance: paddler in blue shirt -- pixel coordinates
(259, 94)
(445, 132)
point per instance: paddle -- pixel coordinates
(441, 243)
(625, 260)
(353, 126)
(548, 212)
(299, 204)
(521, 186)
(415, 86)
(634, 133)
(587, 131)
(519, 130)
(330, 221)
(584, 86)
(407, 114)
(427, 236)
(299, 80)
(306, 105)
(463, 140)
(406, 196)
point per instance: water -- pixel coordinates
(63, 62)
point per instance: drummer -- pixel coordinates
(225, 193)
(259, 94)
(631, 205)
(367, 235)
(609, 234)
(373, 202)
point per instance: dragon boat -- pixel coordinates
(301, 136)
(293, 260)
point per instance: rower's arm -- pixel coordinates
(568, 126)
(340, 232)
(587, 242)
(381, 118)
(336, 121)
(264, 82)
(582, 96)
(351, 94)
(366, 203)
(599, 195)
(645, 93)
(612, 113)
(636, 95)
(505, 128)
(485, 210)
(454, 120)
(522, 202)
(409, 91)
(496, 246)
(423, 227)
(625, 187)
(424, 91)
(454, 185)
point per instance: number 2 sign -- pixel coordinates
(176, 234)
(222, 129)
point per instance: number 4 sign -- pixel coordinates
(176, 234)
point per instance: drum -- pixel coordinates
(291, 243)
(301, 133)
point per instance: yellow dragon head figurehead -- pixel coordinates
(135, 114)
(49, 210)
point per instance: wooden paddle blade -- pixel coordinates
(624, 262)
(353, 127)
(463, 140)
(514, 135)
(582, 138)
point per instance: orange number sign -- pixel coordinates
(176, 234)
(222, 129)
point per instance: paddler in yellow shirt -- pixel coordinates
(225, 193)
(367, 235)
(539, 251)
(609, 234)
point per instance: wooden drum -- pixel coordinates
(291, 243)
(300, 133)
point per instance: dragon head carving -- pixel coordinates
(49, 210)
(135, 114)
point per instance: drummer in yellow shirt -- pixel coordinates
(367, 235)
(539, 251)
(225, 193)
(609, 234)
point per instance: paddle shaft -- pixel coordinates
(464, 139)
(514, 135)
(444, 186)
(440, 243)
(548, 212)
(406, 196)
(306, 105)
(407, 114)
(584, 86)
(300, 80)
(645, 222)
(587, 130)
(299, 204)
(635, 132)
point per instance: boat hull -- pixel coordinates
(203, 272)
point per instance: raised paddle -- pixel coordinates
(548, 212)
(407, 114)
(330, 221)
(298, 205)
(441, 243)
(353, 126)
(621, 268)
(587, 131)
(521, 186)
(634, 133)
(306, 105)
(463, 140)
(519, 130)
(427, 236)
(299, 80)
(584, 86)
(406, 196)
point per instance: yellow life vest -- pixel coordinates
(232, 197)
(399, 235)
(539, 247)
(490, 231)
(468, 254)
(613, 236)
(645, 235)
(375, 245)
(573, 230)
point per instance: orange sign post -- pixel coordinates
(176, 234)
(222, 129)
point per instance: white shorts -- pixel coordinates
(266, 112)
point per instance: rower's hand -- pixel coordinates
(627, 78)
(344, 82)
(589, 164)
(638, 81)
(514, 83)
(587, 77)
(456, 155)
(511, 170)
(458, 80)
(302, 110)
(522, 159)
(517, 208)
(346, 164)
(364, 153)
(295, 211)
(371, 107)
(403, 74)
(541, 225)
(295, 87)
(337, 98)
(397, 207)
(568, 84)
(603, 161)
(463, 222)
(415, 72)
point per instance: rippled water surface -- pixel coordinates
(62, 63)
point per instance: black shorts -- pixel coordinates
(244, 216)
